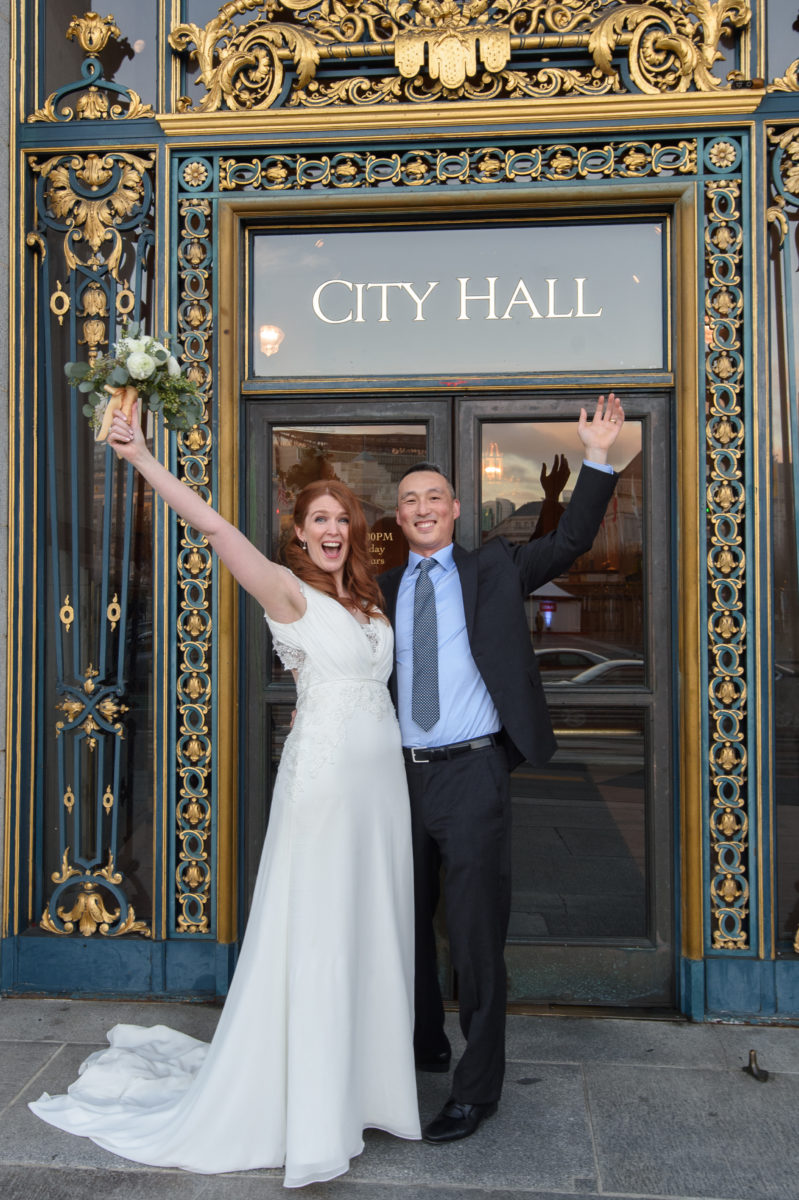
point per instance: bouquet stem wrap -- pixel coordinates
(122, 398)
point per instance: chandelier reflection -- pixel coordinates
(270, 337)
(492, 463)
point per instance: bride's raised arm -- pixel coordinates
(275, 589)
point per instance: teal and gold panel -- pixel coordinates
(191, 908)
(91, 249)
(726, 563)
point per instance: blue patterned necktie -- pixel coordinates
(424, 697)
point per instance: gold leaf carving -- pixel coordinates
(92, 32)
(453, 49)
(93, 218)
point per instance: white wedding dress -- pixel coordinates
(315, 1040)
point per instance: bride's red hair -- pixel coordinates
(359, 583)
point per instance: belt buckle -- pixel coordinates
(420, 750)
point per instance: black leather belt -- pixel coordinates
(428, 754)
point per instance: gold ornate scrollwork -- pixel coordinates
(242, 67)
(90, 914)
(668, 52)
(726, 560)
(114, 612)
(59, 303)
(92, 32)
(90, 196)
(193, 875)
(789, 82)
(453, 49)
(66, 614)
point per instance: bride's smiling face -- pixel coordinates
(326, 531)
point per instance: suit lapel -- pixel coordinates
(466, 564)
(389, 586)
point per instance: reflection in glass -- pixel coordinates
(370, 459)
(587, 625)
(784, 285)
(579, 833)
(782, 45)
(130, 60)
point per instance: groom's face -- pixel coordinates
(426, 511)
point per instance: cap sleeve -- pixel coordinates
(286, 638)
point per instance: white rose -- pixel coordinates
(140, 365)
(173, 367)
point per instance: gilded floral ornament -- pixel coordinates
(455, 39)
(92, 32)
(722, 155)
(452, 49)
(89, 197)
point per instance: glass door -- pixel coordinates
(592, 916)
(367, 445)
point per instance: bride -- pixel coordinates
(315, 1040)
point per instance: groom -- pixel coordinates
(471, 707)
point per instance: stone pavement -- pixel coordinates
(640, 1109)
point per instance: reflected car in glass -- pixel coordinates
(614, 672)
(558, 663)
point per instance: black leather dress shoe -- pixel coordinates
(433, 1062)
(456, 1121)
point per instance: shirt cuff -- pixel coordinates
(606, 467)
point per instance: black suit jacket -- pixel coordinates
(495, 580)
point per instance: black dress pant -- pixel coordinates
(460, 815)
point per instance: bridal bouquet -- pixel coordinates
(138, 365)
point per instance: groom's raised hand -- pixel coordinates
(599, 434)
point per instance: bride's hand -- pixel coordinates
(126, 439)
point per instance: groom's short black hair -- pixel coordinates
(429, 466)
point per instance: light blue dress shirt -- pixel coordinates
(466, 709)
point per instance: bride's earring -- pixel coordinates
(304, 546)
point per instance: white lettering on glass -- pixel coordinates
(419, 301)
(580, 310)
(383, 288)
(551, 310)
(317, 302)
(521, 296)
(466, 298)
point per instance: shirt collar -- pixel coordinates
(443, 558)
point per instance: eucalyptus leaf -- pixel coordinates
(86, 385)
(88, 411)
(118, 377)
